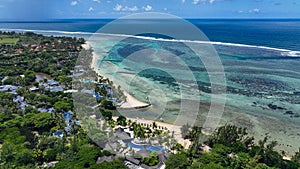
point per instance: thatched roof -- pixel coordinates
(132, 160)
(104, 159)
(143, 152)
(122, 136)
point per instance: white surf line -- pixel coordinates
(286, 52)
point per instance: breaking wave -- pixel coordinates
(284, 52)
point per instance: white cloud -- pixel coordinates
(119, 7)
(98, 1)
(73, 3)
(196, 2)
(183, 1)
(147, 8)
(91, 9)
(211, 1)
(255, 10)
(132, 9)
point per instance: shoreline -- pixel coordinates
(131, 102)
(170, 127)
(231, 113)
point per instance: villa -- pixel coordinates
(20, 101)
(135, 162)
(76, 74)
(52, 86)
(105, 159)
(131, 133)
(58, 134)
(98, 96)
(45, 110)
(69, 120)
(34, 88)
(49, 83)
(91, 92)
(55, 89)
(9, 88)
(71, 91)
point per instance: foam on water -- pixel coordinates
(284, 52)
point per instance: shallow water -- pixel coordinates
(262, 84)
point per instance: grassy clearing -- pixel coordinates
(8, 40)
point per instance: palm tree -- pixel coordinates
(154, 125)
(185, 129)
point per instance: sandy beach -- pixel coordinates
(131, 102)
(170, 127)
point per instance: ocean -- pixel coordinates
(260, 58)
(270, 32)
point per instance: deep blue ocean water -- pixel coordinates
(283, 34)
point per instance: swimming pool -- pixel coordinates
(88, 81)
(148, 147)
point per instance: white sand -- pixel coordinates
(131, 102)
(171, 127)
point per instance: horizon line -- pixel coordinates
(188, 18)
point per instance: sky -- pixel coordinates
(31, 10)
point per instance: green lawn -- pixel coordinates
(8, 40)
